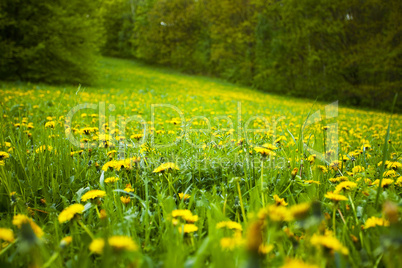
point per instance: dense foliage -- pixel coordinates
(51, 41)
(346, 50)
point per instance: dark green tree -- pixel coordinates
(118, 17)
(52, 41)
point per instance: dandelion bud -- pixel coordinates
(102, 214)
(390, 211)
(254, 237)
(294, 172)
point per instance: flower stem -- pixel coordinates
(241, 203)
(333, 219)
(356, 220)
(86, 229)
(97, 211)
(262, 183)
(7, 247)
(51, 260)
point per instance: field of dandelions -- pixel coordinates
(204, 173)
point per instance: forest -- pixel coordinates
(327, 50)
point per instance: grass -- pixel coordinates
(209, 174)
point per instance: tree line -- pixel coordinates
(348, 50)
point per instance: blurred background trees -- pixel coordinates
(348, 50)
(51, 41)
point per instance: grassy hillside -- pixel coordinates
(177, 170)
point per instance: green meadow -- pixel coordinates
(149, 167)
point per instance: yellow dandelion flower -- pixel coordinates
(13, 196)
(87, 130)
(227, 243)
(126, 164)
(358, 169)
(50, 124)
(265, 249)
(125, 199)
(335, 165)
(4, 155)
(385, 182)
(280, 201)
(66, 241)
(128, 188)
(323, 169)
(230, 243)
(111, 179)
(345, 185)
(229, 225)
(122, 243)
(6, 235)
(111, 153)
(102, 214)
(109, 165)
(76, 152)
(188, 228)
(390, 211)
(399, 182)
(44, 148)
(345, 158)
(365, 146)
(136, 136)
(311, 182)
(184, 196)
(336, 197)
(329, 242)
(21, 219)
(7, 144)
(264, 152)
(280, 139)
(311, 158)
(93, 194)
(276, 213)
(389, 173)
(299, 211)
(191, 219)
(269, 146)
(295, 263)
(339, 179)
(68, 213)
(166, 167)
(181, 213)
(374, 221)
(393, 165)
(97, 245)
